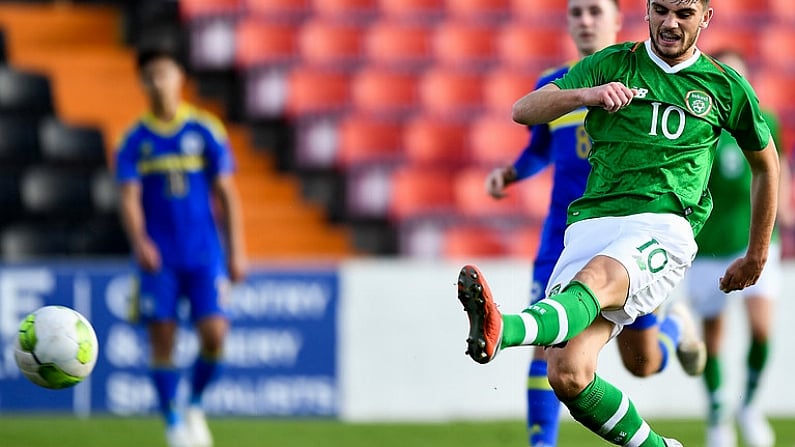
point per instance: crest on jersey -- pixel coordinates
(698, 102)
(191, 143)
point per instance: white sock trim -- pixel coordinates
(621, 411)
(530, 328)
(640, 436)
(563, 321)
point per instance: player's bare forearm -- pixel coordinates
(233, 225)
(764, 200)
(545, 104)
(132, 216)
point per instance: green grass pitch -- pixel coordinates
(97, 431)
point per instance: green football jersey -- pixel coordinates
(726, 231)
(655, 155)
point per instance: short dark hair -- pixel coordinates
(148, 54)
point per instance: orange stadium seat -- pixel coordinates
(533, 47)
(503, 86)
(776, 90)
(328, 42)
(472, 241)
(549, 13)
(450, 92)
(420, 191)
(412, 9)
(479, 10)
(464, 44)
(364, 140)
(523, 242)
(430, 141)
(777, 47)
(471, 198)
(744, 40)
(259, 42)
(782, 11)
(314, 91)
(398, 44)
(535, 192)
(356, 9)
(195, 9)
(279, 9)
(383, 91)
(739, 13)
(495, 140)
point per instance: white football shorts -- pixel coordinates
(706, 298)
(656, 249)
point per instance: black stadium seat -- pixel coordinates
(19, 142)
(52, 191)
(24, 93)
(62, 143)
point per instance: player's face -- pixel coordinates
(674, 26)
(593, 24)
(162, 79)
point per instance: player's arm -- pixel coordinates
(764, 202)
(231, 213)
(132, 216)
(550, 102)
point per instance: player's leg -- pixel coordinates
(759, 303)
(543, 407)
(709, 302)
(596, 404)
(158, 308)
(206, 289)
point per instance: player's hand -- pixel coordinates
(742, 273)
(147, 255)
(238, 267)
(498, 180)
(612, 96)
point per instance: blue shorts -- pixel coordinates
(160, 295)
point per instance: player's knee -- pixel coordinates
(640, 367)
(568, 382)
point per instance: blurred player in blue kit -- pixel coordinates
(647, 344)
(182, 215)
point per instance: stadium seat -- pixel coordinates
(471, 198)
(398, 44)
(469, 241)
(330, 42)
(781, 11)
(10, 195)
(739, 13)
(776, 90)
(384, 92)
(53, 191)
(777, 47)
(535, 193)
(549, 13)
(450, 92)
(364, 140)
(357, 10)
(311, 90)
(463, 44)
(19, 142)
(25, 94)
(259, 42)
(198, 9)
(479, 10)
(503, 86)
(30, 241)
(420, 192)
(62, 143)
(212, 43)
(431, 141)
(533, 48)
(415, 10)
(523, 241)
(283, 10)
(495, 140)
(720, 37)
(101, 235)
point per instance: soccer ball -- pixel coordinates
(56, 347)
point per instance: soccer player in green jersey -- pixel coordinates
(655, 112)
(722, 238)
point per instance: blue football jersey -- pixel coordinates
(563, 144)
(176, 164)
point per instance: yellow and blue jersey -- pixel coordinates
(563, 144)
(176, 164)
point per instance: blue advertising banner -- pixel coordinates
(280, 354)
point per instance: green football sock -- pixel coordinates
(757, 359)
(552, 320)
(713, 379)
(608, 412)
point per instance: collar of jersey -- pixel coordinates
(664, 65)
(160, 127)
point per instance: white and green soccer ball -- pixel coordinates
(56, 347)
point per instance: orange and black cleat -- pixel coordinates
(485, 321)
